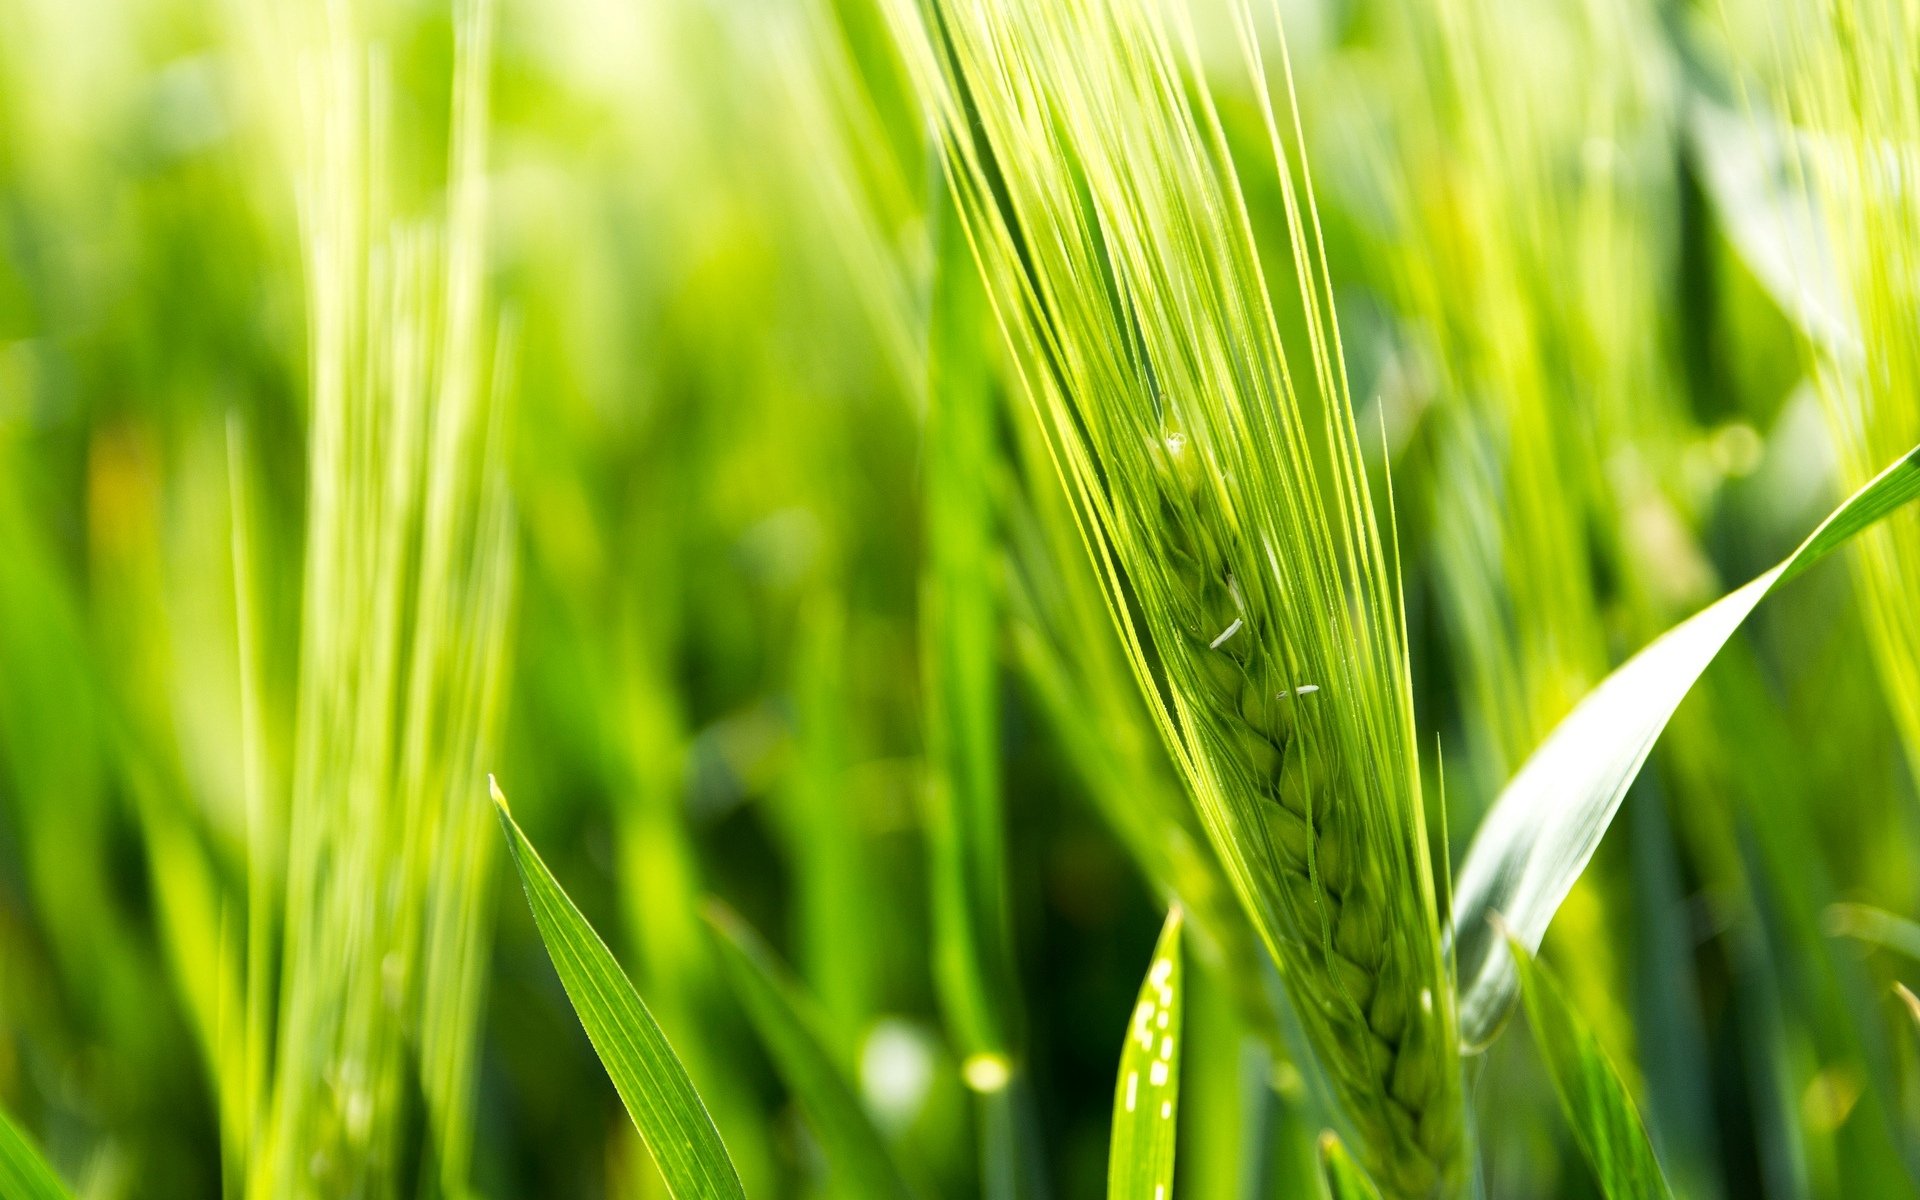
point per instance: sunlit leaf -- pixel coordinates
(858, 1157)
(652, 1082)
(1146, 1097)
(1551, 817)
(1604, 1119)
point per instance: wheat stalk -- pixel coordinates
(1221, 493)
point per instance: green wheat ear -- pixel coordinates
(1217, 478)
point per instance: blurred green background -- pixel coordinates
(773, 619)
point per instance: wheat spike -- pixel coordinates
(1216, 474)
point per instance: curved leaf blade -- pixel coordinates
(651, 1080)
(24, 1175)
(1551, 817)
(858, 1156)
(1146, 1096)
(1345, 1178)
(1605, 1122)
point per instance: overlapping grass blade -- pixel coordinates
(859, 1161)
(1551, 817)
(1146, 1097)
(959, 638)
(24, 1174)
(1602, 1114)
(1818, 188)
(651, 1081)
(1344, 1178)
(1529, 286)
(1852, 84)
(960, 642)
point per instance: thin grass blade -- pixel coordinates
(859, 1160)
(650, 1078)
(24, 1175)
(1547, 823)
(1602, 1114)
(1146, 1097)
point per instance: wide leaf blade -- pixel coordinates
(858, 1157)
(1551, 817)
(24, 1175)
(652, 1082)
(1602, 1114)
(1146, 1097)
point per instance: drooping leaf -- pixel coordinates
(1547, 823)
(24, 1175)
(1146, 1097)
(1345, 1179)
(652, 1082)
(1605, 1122)
(858, 1158)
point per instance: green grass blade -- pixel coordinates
(959, 631)
(648, 1075)
(858, 1157)
(1344, 1177)
(24, 1175)
(1547, 823)
(1602, 1114)
(1146, 1097)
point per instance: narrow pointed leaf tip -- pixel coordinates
(1345, 1178)
(651, 1080)
(857, 1155)
(1146, 1098)
(1910, 1000)
(24, 1175)
(1546, 825)
(1605, 1122)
